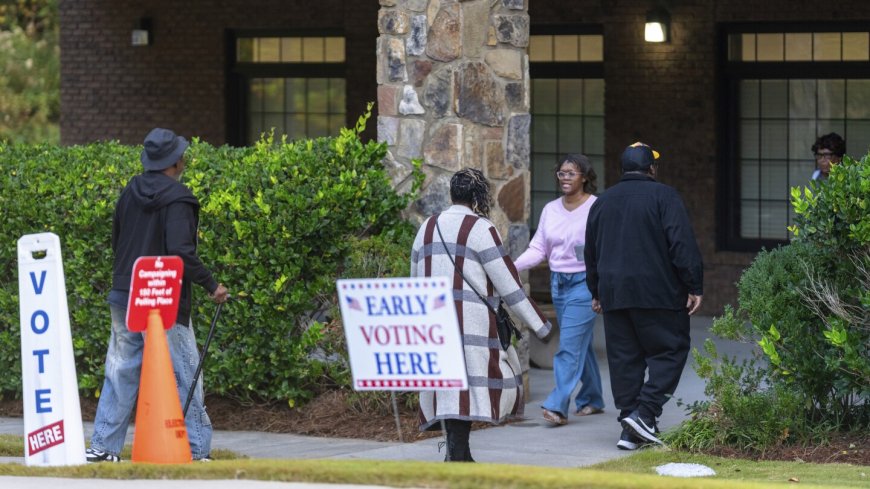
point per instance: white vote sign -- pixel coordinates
(402, 334)
(52, 416)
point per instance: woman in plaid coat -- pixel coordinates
(495, 390)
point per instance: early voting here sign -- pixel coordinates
(52, 417)
(402, 334)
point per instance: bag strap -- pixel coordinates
(488, 305)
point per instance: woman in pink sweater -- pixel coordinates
(560, 239)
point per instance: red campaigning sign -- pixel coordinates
(156, 284)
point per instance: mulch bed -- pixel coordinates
(849, 448)
(332, 415)
(328, 415)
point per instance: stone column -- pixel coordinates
(453, 91)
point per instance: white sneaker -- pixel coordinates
(93, 456)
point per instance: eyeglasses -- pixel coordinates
(826, 156)
(567, 174)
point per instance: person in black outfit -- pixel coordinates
(155, 215)
(644, 270)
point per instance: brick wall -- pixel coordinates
(112, 90)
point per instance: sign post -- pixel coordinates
(402, 334)
(52, 415)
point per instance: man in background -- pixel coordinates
(155, 215)
(644, 270)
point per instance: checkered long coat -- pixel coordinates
(494, 376)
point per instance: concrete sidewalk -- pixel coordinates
(583, 441)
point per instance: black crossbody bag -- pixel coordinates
(503, 322)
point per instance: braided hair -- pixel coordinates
(468, 186)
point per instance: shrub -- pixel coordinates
(791, 337)
(70, 192)
(808, 307)
(745, 411)
(29, 71)
(834, 214)
(833, 218)
(385, 255)
(276, 225)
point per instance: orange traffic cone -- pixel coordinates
(160, 436)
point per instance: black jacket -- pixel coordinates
(157, 215)
(640, 249)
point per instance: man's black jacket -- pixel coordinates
(157, 215)
(640, 249)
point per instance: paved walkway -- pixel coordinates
(583, 441)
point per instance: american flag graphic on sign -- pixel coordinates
(440, 301)
(353, 303)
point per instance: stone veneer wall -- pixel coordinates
(453, 91)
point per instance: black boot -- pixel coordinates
(458, 432)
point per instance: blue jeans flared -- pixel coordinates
(121, 386)
(575, 361)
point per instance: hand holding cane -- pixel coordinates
(217, 314)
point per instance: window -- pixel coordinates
(567, 106)
(783, 90)
(292, 85)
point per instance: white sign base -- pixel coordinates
(402, 334)
(53, 432)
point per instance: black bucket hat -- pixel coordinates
(162, 149)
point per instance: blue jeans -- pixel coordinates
(575, 361)
(121, 386)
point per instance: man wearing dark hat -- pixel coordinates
(644, 270)
(155, 215)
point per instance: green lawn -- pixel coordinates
(11, 446)
(630, 472)
(823, 475)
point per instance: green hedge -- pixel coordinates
(807, 306)
(833, 219)
(275, 227)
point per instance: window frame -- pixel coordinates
(564, 70)
(239, 74)
(731, 73)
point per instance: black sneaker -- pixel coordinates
(93, 455)
(628, 441)
(642, 427)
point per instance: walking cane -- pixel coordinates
(217, 314)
